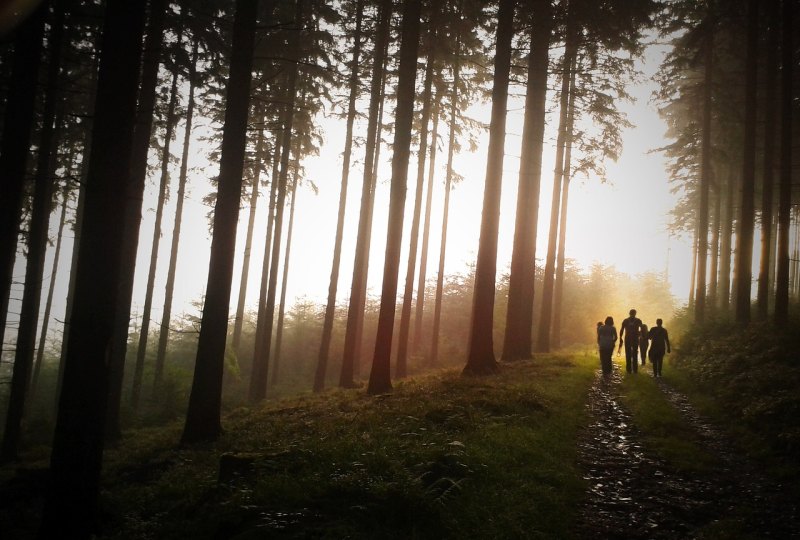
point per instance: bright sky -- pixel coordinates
(621, 223)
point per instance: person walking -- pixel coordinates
(659, 343)
(629, 332)
(606, 339)
(643, 337)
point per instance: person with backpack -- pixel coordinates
(659, 342)
(629, 331)
(606, 339)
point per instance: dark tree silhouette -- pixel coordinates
(380, 375)
(705, 180)
(203, 415)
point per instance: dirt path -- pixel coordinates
(634, 494)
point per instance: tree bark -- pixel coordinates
(480, 355)
(358, 288)
(785, 186)
(715, 234)
(380, 375)
(771, 77)
(416, 346)
(17, 126)
(169, 288)
(203, 415)
(401, 369)
(724, 288)
(71, 501)
(330, 306)
(451, 145)
(36, 247)
(548, 278)
(248, 242)
(744, 237)
(519, 315)
(260, 376)
(558, 291)
(163, 190)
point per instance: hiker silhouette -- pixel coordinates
(629, 331)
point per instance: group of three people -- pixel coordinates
(635, 336)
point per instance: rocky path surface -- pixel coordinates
(634, 494)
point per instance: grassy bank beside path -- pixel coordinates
(443, 456)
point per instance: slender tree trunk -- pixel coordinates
(693, 279)
(163, 191)
(169, 288)
(480, 355)
(262, 295)
(248, 243)
(763, 295)
(785, 186)
(724, 288)
(451, 145)
(285, 278)
(203, 415)
(17, 126)
(380, 377)
(548, 278)
(705, 183)
(744, 236)
(330, 306)
(558, 291)
(36, 248)
(713, 287)
(401, 369)
(519, 315)
(51, 289)
(358, 288)
(71, 502)
(138, 173)
(416, 347)
(260, 376)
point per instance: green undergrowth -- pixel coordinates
(661, 425)
(442, 456)
(748, 380)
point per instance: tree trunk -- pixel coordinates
(37, 246)
(169, 288)
(380, 376)
(358, 288)
(785, 186)
(480, 355)
(138, 174)
(693, 279)
(330, 306)
(163, 191)
(203, 415)
(248, 242)
(724, 288)
(17, 126)
(705, 183)
(558, 291)
(764, 293)
(519, 315)
(416, 346)
(715, 234)
(744, 236)
(285, 278)
(401, 369)
(451, 145)
(548, 278)
(71, 501)
(51, 289)
(260, 375)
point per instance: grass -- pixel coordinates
(443, 456)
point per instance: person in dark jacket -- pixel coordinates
(606, 339)
(643, 337)
(659, 343)
(629, 332)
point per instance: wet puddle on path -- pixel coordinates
(634, 494)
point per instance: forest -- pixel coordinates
(334, 268)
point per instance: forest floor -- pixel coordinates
(548, 448)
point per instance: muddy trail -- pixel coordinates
(632, 493)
